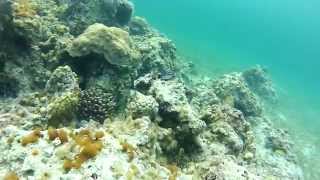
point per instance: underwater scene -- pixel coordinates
(159, 90)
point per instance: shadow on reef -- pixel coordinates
(9, 86)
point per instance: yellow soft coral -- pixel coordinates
(90, 146)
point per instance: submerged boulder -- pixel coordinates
(174, 108)
(259, 83)
(232, 89)
(80, 14)
(111, 42)
(139, 26)
(142, 105)
(228, 126)
(61, 80)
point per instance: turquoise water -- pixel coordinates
(222, 36)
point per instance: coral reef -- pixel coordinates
(113, 43)
(125, 104)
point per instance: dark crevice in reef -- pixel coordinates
(9, 86)
(124, 12)
(92, 66)
(88, 66)
(170, 119)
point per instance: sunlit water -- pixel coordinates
(283, 35)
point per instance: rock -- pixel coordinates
(124, 12)
(9, 86)
(158, 53)
(260, 83)
(111, 42)
(227, 169)
(174, 108)
(233, 90)
(142, 105)
(63, 79)
(139, 26)
(228, 126)
(80, 14)
(143, 83)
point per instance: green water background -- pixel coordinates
(224, 36)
